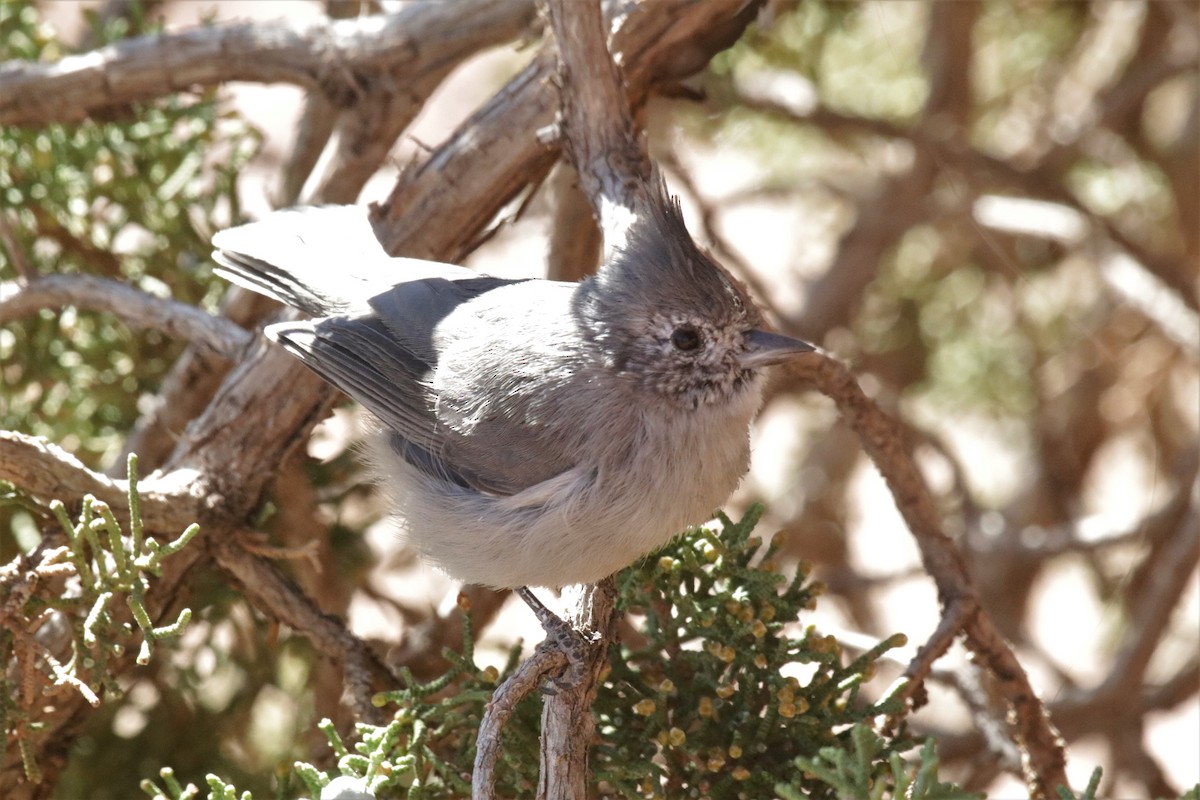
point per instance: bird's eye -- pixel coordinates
(685, 338)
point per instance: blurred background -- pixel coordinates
(990, 209)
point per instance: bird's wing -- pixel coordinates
(384, 360)
(360, 357)
(411, 311)
(377, 338)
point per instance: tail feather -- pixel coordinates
(323, 260)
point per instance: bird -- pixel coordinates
(529, 432)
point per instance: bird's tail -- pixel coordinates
(322, 260)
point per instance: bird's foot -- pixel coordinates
(559, 633)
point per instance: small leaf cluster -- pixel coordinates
(851, 772)
(79, 585)
(427, 748)
(728, 688)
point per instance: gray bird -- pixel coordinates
(531, 432)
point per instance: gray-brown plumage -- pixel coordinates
(531, 432)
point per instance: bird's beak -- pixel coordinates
(764, 349)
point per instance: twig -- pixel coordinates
(16, 254)
(912, 694)
(215, 335)
(1041, 747)
(276, 594)
(188, 387)
(546, 660)
(1174, 566)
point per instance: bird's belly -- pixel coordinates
(585, 523)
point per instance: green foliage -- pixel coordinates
(134, 198)
(728, 688)
(973, 345)
(80, 584)
(1089, 793)
(728, 696)
(852, 774)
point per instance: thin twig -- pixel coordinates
(276, 594)
(16, 254)
(1040, 744)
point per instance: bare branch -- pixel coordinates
(954, 618)
(329, 56)
(1040, 744)
(496, 154)
(215, 335)
(546, 660)
(312, 134)
(575, 242)
(276, 594)
(1175, 564)
(598, 130)
(47, 472)
(188, 387)
(567, 722)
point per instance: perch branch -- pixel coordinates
(598, 133)
(545, 661)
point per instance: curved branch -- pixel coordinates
(883, 439)
(278, 595)
(330, 56)
(46, 472)
(523, 682)
(215, 335)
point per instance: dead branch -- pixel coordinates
(332, 57)
(1041, 746)
(212, 335)
(46, 472)
(574, 250)
(496, 153)
(276, 594)
(524, 681)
